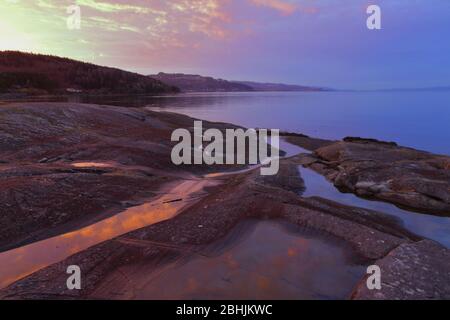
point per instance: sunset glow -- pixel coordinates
(200, 151)
(297, 41)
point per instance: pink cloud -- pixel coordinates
(285, 8)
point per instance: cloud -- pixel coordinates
(112, 7)
(139, 33)
(286, 8)
(160, 18)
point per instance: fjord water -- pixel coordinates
(417, 119)
(414, 119)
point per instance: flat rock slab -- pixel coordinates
(43, 194)
(418, 270)
(369, 235)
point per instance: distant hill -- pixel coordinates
(197, 83)
(257, 86)
(35, 73)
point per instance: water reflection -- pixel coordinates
(432, 227)
(267, 259)
(17, 263)
(93, 165)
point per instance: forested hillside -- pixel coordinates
(35, 73)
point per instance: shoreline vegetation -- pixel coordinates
(67, 166)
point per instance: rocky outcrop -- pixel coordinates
(308, 143)
(370, 235)
(409, 178)
(38, 201)
(418, 271)
(42, 190)
(125, 156)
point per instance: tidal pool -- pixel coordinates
(258, 259)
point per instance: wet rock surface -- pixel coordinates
(42, 193)
(371, 235)
(38, 174)
(39, 201)
(408, 178)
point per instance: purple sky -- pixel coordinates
(310, 42)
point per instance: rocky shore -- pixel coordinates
(412, 179)
(125, 160)
(64, 166)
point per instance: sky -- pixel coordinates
(309, 42)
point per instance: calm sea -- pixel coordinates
(416, 119)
